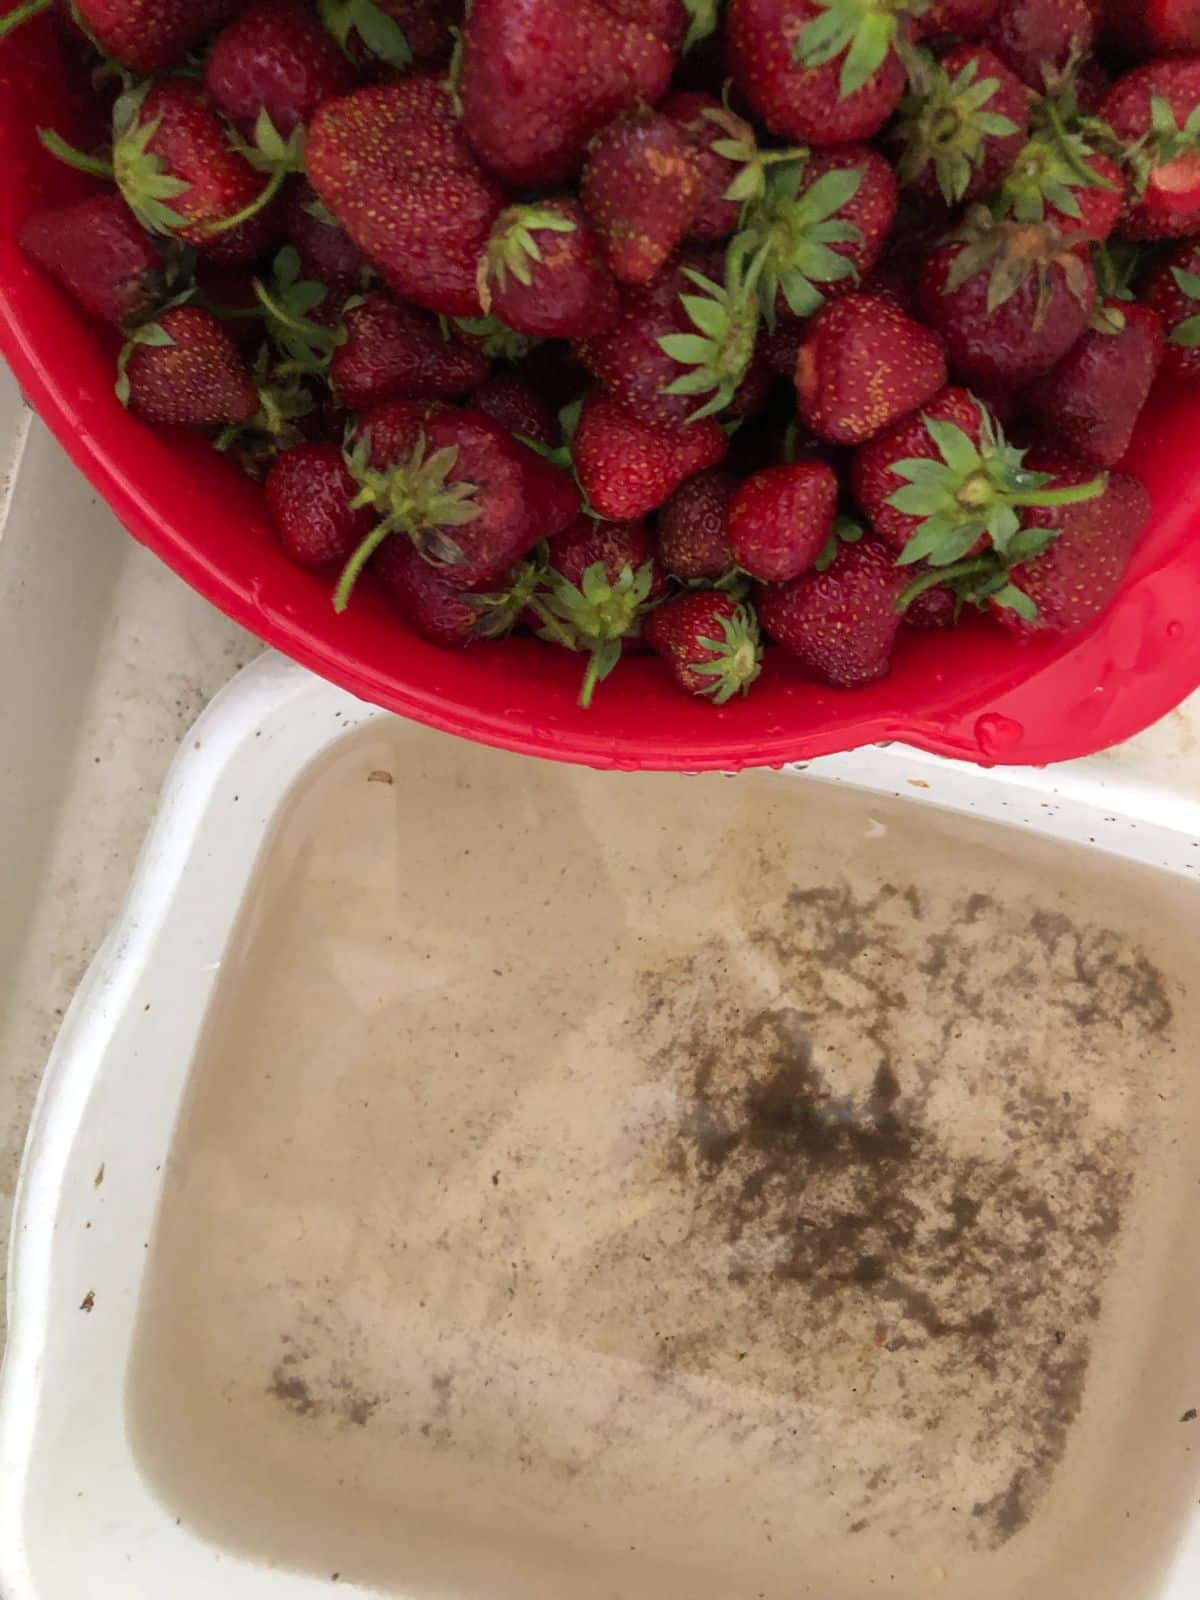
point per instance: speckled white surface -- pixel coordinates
(105, 660)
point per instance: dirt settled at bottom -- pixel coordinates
(636, 1186)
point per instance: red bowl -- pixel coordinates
(975, 693)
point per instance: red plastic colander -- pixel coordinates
(975, 693)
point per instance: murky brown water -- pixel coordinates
(612, 1186)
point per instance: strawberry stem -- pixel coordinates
(22, 13)
(268, 192)
(353, 569)
(943, 575)
(67, 153)
(1074, 496)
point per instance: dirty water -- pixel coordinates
(632, 1186)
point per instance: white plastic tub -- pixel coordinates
(314, 1291)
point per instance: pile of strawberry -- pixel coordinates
(661, 321)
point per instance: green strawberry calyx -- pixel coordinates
(785, 245)
(500, 611)
(513, 247)
(287, 302)
(974, 494)
(380, 33)
(414, 496)
(738, 145)
(1050, 173)
(703, 17)
(1010, 252)
(1163, 144)
(945, 124)
(845, 531)
(734, 661)
(866, 32)
(494, 338)
(720, 351)
(1186, 334)
(284, 399)
(595, 616)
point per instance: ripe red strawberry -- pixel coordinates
(143, 35)
(1092, 400)
(543, 273)
(640, 188)
(693, 527)
(394, 169)
(709, 642)
(933, 610)
(275, 57)
(326, 250)
(1173, 291)
(309, 493)
(864, 365)
(1155, 111)
(961, 125)
(540, 78)
(612, 545)
(1040, 37)
(459, 486)
(1059, 179)
(439, 609)
(819, 72)
(379, 35)
(184, 369)
(516, 405)
(628, 468)
(1008, 300)
(397, 351)
(841, 624)
(98, 253)
(705, 123)
(1156, 27)
(873, 480)
(965, 19)
(1077, 578)
(781, 518)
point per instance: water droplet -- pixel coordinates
(996, 734)
(1174, 630)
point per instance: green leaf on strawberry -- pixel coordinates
(141, 175)
(726, 318)
(1164, 142)
(703, 17)
(864, 30)
(380, 33)
(596, 616)
(944, 123)
(513, 247)
(496, 339)
(785, 246)
(845, 531)
(288, 302)
(1187, 333)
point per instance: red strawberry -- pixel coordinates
(710, 644)
(842, 623)
(693, 527)
(326, 250)
(440, 609)
(1008, 300)
(543, 273)
(933, 610)
(516, 405)
(614, 545)
(705, 123)
(540, 78)
(1174, 293)
(98, 253)
(862, 366)
(143, 35)
(1037, 38)
(1060, 180)
(275, 57)
(1155, 111)
(1078, 576)
(185, 369)
(964, 18)
(393, 168)
(309, 492)
(962, 125)
(781, 518)
(817, 71)
(1092, 400)
(393, 350)
(640, 188)
(783, 345)
(1157, 27)
(462, 489)
(628, 468)
(383, 34)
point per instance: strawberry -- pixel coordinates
(440, 609)
(628, 468)
(1059, 179)
(933, 610)
(515, 404)
(640, 188)
(961, 125)
(693, 527)
(275, 57)
(712, 132)
(1173, 291)
(392, 165)
(1008, 299)
(1092, 400)
(543, 273)
(710, 644)
(1036, 38)
(821, 72)
(465, 492)
(1076, 578)
(602, 578)
(540, 78)
(945, 484)
(780, 520)
(309, 492)
(385, 34)
(1155, 111)
(1157, 27)
(326, 250)
(393, 350)
(965, 19)
(143, 35)
(96, 250)
(841, 624)
(184, 369)
(864, 365)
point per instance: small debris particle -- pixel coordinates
(88, 1301)
(99, 1178)
(380, 776)
(1190, 1416)
(917, 783)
